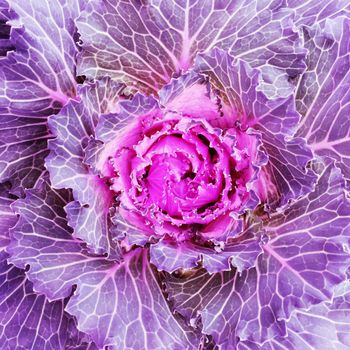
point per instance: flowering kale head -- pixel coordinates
(174, 175)
(183, 170)
(178, 174)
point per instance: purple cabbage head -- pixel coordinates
(174, 175)
(178, 174)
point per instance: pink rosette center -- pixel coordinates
(184, 177)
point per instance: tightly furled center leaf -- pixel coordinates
(183, 176)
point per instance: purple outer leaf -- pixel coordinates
(323, 326)
(43, 239)
(324, 91)
(276, 119)
(7, 217)
(302, 263)
(125, 309)
(191, 291)
(5, 15)
(310, 12)
(73, 127)
(147, 42)
(240, 252)
(28, 320)
(238, 85)
(35, 81)
(119, 305)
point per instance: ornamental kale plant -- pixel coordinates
(174, 175)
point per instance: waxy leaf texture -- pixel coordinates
(27, 320)
(35, 81)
